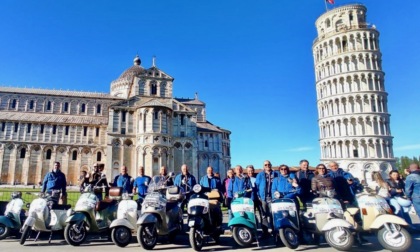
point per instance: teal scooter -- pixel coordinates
(243, 222)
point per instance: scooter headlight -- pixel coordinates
(197, 188)
(277, 195)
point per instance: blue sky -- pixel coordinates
(250, 61)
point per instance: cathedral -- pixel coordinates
(139, 123)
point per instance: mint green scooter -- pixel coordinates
(243, 223)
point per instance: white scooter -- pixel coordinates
(374, 214)
(11, 221)
(45, 215)
(125, 223)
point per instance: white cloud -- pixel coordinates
(408, 147)
(301, 149)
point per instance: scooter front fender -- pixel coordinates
(7, 221)
(284, 222)
(238, 221)
(122, 222)
(147, 218)
(387, 218)
(336, 223)
(30, 221)
(76, 217)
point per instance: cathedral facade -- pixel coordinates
(139, 123)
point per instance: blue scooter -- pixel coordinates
(243, 223)
(285, 220)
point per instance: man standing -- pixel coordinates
(124, 180)
(304, 177)
(55, 180)
(250, 170)
(163, 173)
(264, 182)
(98, 179)
(186, 181)
(412, 186)
(141, 183)
(343, 182)
(210, 181)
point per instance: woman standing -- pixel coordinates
(226, 183)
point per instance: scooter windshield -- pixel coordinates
(157, 183)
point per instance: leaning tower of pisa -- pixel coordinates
(353, 115)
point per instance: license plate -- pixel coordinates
(191, 223)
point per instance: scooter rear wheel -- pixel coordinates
(289, 237)
(342, 242)
(243, 236)
(25, 234)
(402, 242)
(4, 231)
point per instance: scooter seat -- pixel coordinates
(101, 205)
(60, 207)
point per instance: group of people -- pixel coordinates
(332, 182)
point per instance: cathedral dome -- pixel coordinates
(120, 86)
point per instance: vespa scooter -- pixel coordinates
(11, 221)
(204, 216)
(161, 213)
(125, 223)
(90, 215)
(325, 216)
(243, 222)
(374, 214)
(45, 215)
(285, 220)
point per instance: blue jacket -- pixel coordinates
(190, 181)
(142, 183)
(283, 184)
(261, 182)
(412, 185)
(238, 184)
(125, 182)
(344, 190)
(54, 181)
(214, 183)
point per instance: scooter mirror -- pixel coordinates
(171, 174)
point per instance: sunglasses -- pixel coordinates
(321, 168)
(267, 164)
(283, 169)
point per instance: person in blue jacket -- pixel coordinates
(264, 183)
(240, 184)
(345, 183)
(124, 180)
(185, 181)
(286, 184)
(141, 183)
(55, 180)
(210, 181)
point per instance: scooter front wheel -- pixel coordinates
(147, 236)
(196, 240)
(289, 237)
(243, 236)
(75, 234)
(4, 231)
(397, 240)
(25, 234)
(121, 236)
(340, 238)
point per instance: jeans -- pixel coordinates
(266, 220)
(416, 204)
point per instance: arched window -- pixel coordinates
(48, 105)
(206, 143)
(74, 155)
(22, 153)
(98, 156)
(83, 108)
(31, 104)
(66, 107)
(154, 89)
(13, 104)
(98, 109)
(48, 156)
